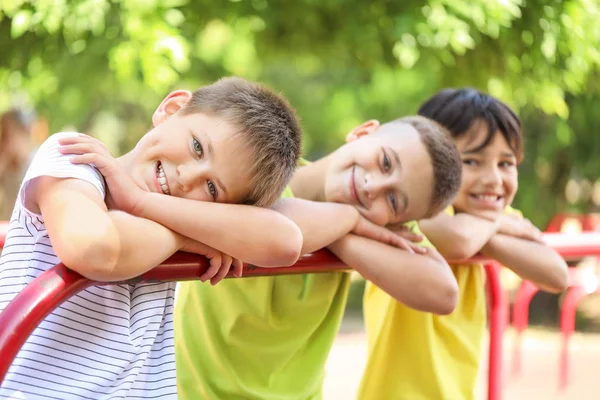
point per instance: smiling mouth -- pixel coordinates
(491, 199)
(162, 178)
(353, 191)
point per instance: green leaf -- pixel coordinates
(21, 22)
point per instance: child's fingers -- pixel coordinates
(75, 148)
(413, 237)
(213, 268)
(82, 148)
(402, 244)
(223, 271)
(238, 268)
(100, 162)
(418, 249)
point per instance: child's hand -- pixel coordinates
(220, 263)
(124, 194)
(401, 237)
(517, 226)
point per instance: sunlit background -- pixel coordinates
(101, 67)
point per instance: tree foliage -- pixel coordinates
(103, 65)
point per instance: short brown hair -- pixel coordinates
(445, 159)
(270, 125)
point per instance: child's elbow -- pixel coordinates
(96, 259)
(559, 281)
(446, 298)
(289, 248)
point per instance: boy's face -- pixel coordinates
(489, 177)
(195, 156)
(384, 171)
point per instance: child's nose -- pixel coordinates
(190, 175)
(492, 177)
(375, 186)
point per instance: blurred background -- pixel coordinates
(102, 66)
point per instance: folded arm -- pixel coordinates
(460, 236)
(321, 223)
(420, 281)
(101, 245)
(255, 235)
(530, 260)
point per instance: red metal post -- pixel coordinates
(3, 231)
(497, 325)
(567, 327)
(525, 293)
(22, 315)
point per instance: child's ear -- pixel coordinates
(366, 128)
(170, 105)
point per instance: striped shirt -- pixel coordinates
(107, 342)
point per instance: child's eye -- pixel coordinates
(386, 163)
(469, 162)
(506, 164)
(212, 188)
(393, 202)
(197, 147)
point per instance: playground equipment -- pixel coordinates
(581, 284)
(54, 286)
(3, 231)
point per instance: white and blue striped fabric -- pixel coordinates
(107, 342)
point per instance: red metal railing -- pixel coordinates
(3, 231)
(54, 286)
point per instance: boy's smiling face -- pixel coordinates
(384, 171)
(195, 156)
(489, 178)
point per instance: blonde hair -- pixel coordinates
(269, 124)
(445, 159)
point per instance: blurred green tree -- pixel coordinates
(102, 65)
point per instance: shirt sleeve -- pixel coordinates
(512, 211)
(48, 161)
(414, 228)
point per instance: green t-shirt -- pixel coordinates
(265, 338)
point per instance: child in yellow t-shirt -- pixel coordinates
(415, 355)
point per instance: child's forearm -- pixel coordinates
(99, 244)
(255, 235)
(143, 244)
(422, 282)
(530, 260)
(458, 237)
(321, 223)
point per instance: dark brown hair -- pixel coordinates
(459, 109)
(269, 124)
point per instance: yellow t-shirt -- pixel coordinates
(422, 356)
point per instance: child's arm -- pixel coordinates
(530, 260)
(99, 244)
(322, 223)
(460, 236)
(255, 235)
(420, 281)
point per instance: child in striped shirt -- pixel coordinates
(230, 142)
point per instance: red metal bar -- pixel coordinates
(567, 327)
(24, 313)
(3, 231)
(54, 286)
(497, 326)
